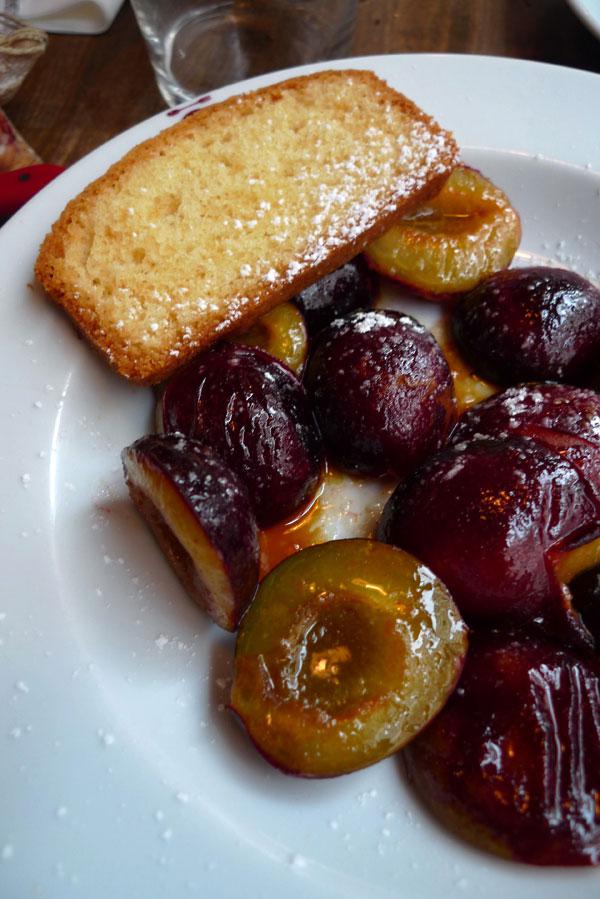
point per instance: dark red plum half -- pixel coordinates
(382, 391)
(531, 324)
(513, 760)
(484, 518)
(200, 513)
(348, 288)
(253, 411)
(563, 418)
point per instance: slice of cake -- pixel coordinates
(234, 209)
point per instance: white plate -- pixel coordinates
(589, 13)
(121, 774)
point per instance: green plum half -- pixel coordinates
(348, 650)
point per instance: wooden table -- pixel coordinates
(87, 89)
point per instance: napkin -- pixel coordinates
(70, 16)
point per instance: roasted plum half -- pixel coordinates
(453, 241)
(347, 651)
(513, 760)
(563, 418)
(200, 514)
(344, 290)
(382, 391)
(486, 518)
(531, 324)
(282, 333)
(253, 411)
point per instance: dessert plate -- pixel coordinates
(122, 773)
(589, 13)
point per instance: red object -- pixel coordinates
(20, 185)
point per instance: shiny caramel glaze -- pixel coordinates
(285, 538)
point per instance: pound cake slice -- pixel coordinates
(234, 209)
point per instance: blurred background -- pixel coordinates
(84, 89)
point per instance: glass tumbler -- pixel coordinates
(196, 46)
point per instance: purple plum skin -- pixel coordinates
(253, 411)
(347, 288)
(513, 760)
(223, 521)
(382, 392)
(561, 417)
(531, 324)
(484, 517)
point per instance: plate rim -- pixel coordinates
(587, 16)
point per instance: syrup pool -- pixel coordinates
(344, 506)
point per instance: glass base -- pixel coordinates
(221, 43)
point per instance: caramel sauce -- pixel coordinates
(288, 537)
(325, 518)
(468, 386)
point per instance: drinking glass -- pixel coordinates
(196, 46)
